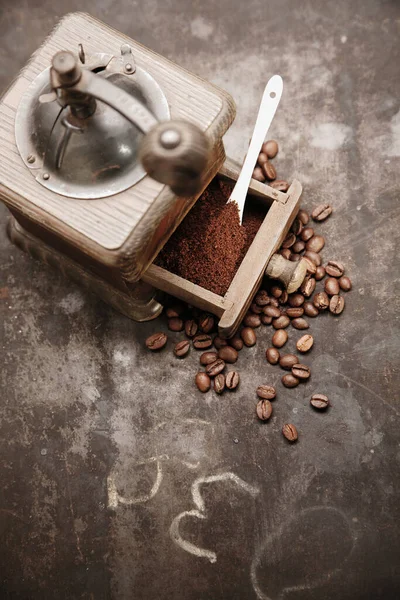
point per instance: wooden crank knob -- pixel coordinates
(291, 274)
(176, 153)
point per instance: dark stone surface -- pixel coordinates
(85, 410)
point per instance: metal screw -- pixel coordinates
(170, 138)
(128, 67)
(46, 176)
(31, 159)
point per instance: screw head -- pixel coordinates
(31, 159)
(46, 176)
(128, 67)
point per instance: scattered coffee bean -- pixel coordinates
(206, 323)
(290, 381)
(272, 355)
(267, 392)
(270, 148)
(298, 247)
(228, 354)
(310, 310)
(264, 410)
(281, 322)
(334, 268)
(336, 305)
(175, 324)
(319, 401)
(252, 320)
(295, 312)
(257, 310)
(216, 367)
(290, 432)
(345, 284)
(208, 357)
(274, 302)
(311, 268)
(321, 301)
(191, 328)
(319, 273)
(266, 320)
(284, 298)
(181, 348)
(316, 243)
(297, 227)
(232, 380)
(285, 252)
(176, 310)
(272, 311)
(305, 343)
(295, 257)
(301, 371)
(331, 286)
(236, 342)
(220, 342)
(276, 291)
(289, 240)
(279, 338)
(295, 300)
(269, 171)
(219, 383)
(287, 361)
(202, 341)
(308, 286)
(258, 174)
(321, 212)
(300, 323)
(280, 185)
(262, 158)
(156, 341)
(314, 256)
(262, 299)
(203, 381)
(307, 234)
(248, 336)
(303, 216)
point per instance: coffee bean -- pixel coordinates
(272, 355)
(255, 309)
(181, 348)
(308, 286)
(295, 257)
(321, 212)
(296, 300)
(315, 244)
(321, 301)
(334, 268)
(290, 381)
(228, 354)
(262, 299)
(264, 410)
(298, 247)
(290, 432)
(216, 367)
(314, 256)
(248, 336)
(252, 320)
(310, 310)
(280, 185)
(345, 284)
(156, 341)
(285, 252)
(287, 361)
(202, 341)
(289, 240)
(262, 158)
(236, 342)
(336, 305)
(208, 357)
(319, 401)
(276, 291)
(272, 311)
(219, 383)
(303, 216)
(203, 381)
(274, 302)
(297, 227)
(269, 171)
(284, 298)
(175, 324)
(281, 322)
(301, 371)
(307, 234)
(206, 323)
(267, 392)
(176, 310)
(270, 148)
(305, 343)
(279, 338)
(266, 320)
(191, 328)
(319, 273)
(258, 174)
(331, 286)
(295, 312)
(300, 323)
(311, 268)
(220, 342)
(232, 380)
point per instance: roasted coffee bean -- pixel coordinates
(315, 244)
(272, 311)
(307, 234)
(219, 383)
(228, 354)
(296, 300)
(236, 342)
(295, 313)
(203, 381)
(216, 367)
(300, 323)
(311, 268)
(284, 298)
(272, 355)
(269, 171)
(319, 273)
(181, 348)
(334, 268)
(262, 299)
(202, 341)
(290, 381)
(232, 380)
(308, 286)
(156, 341)
(280, 185)
(281, 322)
(321, 301)
(321, 212)
(310, 310)
(345, 284)
(336, 305)
(266, 392)
(301, 371)
(266, 320)
(206, 323)
(294, 257)
(276, 291)
(208, 357)
(175, 324)
(252, 320)
(264, 410)
(303, 216)
(285, 252)
(305, 343)
(191, 328)
(279, 338)
(270, 148)
(274, 302)
(248, 336)
(297, 227)
(287, 361)
(290, 432)
(220, 342)
(255, 309)
(258, 174)
(319, 401)
(289, 240)
(298, 247)
(314, 256)
(331, 286)
(176, 310)
(262, 158)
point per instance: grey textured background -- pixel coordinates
(83, 404)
